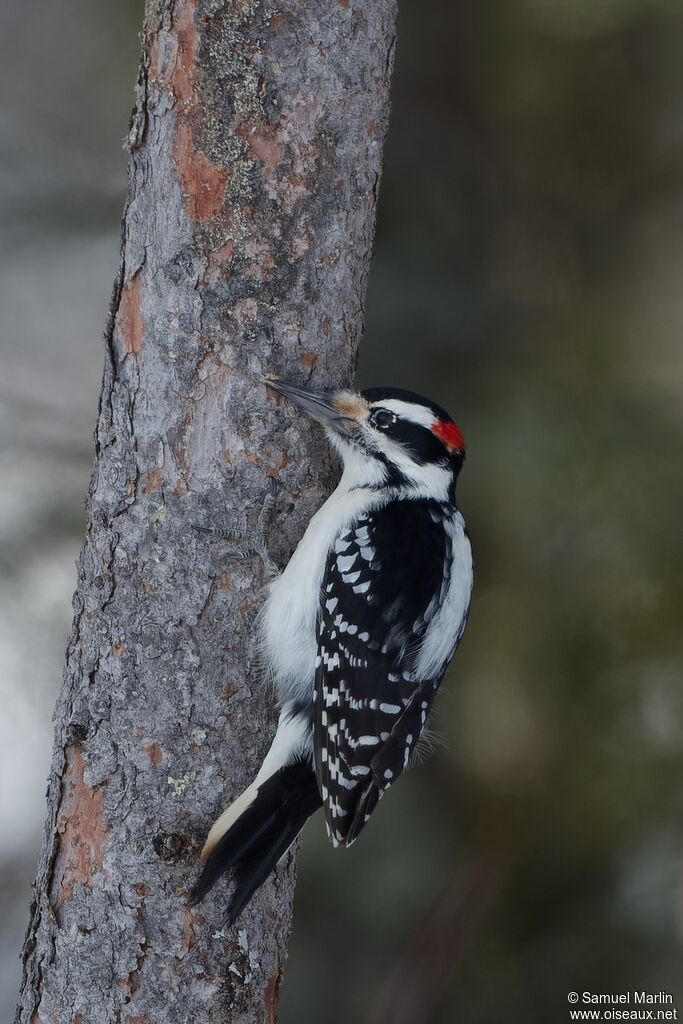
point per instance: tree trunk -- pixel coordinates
(255, 155)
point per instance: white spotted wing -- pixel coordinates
(387, 578)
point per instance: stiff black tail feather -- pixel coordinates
(264, 831)
(366, 804)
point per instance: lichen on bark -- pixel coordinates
(255, 156)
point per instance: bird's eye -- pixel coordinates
(383, 419)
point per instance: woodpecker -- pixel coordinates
(357, 631)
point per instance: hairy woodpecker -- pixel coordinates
(357, 632)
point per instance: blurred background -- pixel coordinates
(528, 276)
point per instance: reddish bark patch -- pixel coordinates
(81, 830)
(224, 254)
(309, 360)
(182, 78)
(152, 480)
(229, 691)
(174, 67)
(189, 939)
(203, 184)
(130, 320)
(155, 753)
(280, 463)
(262, 140)
(271, 997)
(173, 55)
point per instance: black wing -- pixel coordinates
(384, 580)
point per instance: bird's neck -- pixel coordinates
(428, 482)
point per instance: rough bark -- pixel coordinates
(255, 156)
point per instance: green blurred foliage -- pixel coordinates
(527, 276)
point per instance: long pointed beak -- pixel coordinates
(321, 405)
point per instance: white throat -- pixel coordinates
(362, 470)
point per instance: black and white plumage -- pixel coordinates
(358, 630)
(385, 579)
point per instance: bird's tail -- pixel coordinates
(267, 823)
(256, 830)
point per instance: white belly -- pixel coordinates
(287, 627)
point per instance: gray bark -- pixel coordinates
(255, 156)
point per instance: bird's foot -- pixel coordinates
(246, 544)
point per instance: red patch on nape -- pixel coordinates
(450, 434)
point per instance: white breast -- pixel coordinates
(448, 624)
(287, 624)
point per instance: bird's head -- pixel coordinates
(385, 436)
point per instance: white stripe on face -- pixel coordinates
(430, 479)
(410, 411)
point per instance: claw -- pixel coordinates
(231, 536)
(245, 544)
(268, 506)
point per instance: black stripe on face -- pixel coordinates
(419, 442)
